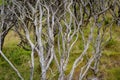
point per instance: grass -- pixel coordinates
(110, 65)
(17, 56)
(109, 70)
(114, 74)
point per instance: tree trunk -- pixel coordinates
(3, 38)
(2, 41)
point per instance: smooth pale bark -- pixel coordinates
(58, 25)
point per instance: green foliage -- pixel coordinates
(1, 2)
